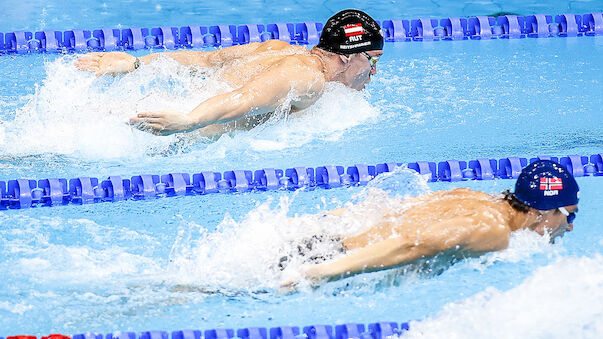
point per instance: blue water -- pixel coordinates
(204, 261)
(40, 15)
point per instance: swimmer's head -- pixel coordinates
(546, 185)
(351, 31)
(551, 190)
(354, 41)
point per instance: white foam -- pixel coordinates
(522, 245)
(75, 113)
(561, 300)
(327, 119)
(243, 255)
(18, 308)
(81, 264)
(100, 254)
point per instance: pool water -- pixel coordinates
(209, 261)
(85, 14)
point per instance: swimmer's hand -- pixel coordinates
(111, 63)
(163, 122)
(310, 274)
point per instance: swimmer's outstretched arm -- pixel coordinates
(119, 62)
(440, 237)
(263, 94)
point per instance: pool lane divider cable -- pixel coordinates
(381, 330)
(305, 33)
(26, 193)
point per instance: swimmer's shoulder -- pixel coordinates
(277, 45)
(486, 207)
(291, 57)
(305, 73)
(468, 200)
(304, 63)
(467, 193)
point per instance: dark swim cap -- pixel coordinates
(351, 31)
(546, 185)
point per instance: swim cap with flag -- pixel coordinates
(546, 185)
(351, 31)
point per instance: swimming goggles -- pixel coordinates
(570, 215)
(371, 59)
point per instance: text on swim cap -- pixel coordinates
(366, 43)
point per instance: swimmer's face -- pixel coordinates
(360, 68)
(555, 223)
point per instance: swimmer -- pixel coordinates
(266, 75)
(459, 223)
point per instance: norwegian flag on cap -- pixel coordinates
(551, 184)
(353, 29)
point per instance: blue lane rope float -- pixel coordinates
(380, 330)
(26, 193)
(394, 30)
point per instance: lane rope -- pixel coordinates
(380, 330)
(26, 193)
(304, 33)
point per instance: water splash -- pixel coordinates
(561, 300)
(64, 251)
(400, 183)
(522, 245)
(77, 114)
(244, 255)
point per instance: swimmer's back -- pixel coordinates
(458, 202)
(239, 68)
(460, 208)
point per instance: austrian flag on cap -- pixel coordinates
(353, 29)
